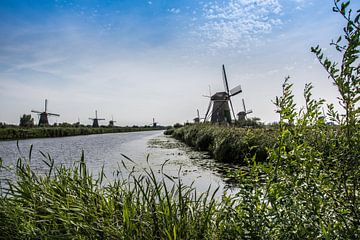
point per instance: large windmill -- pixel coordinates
(43, 116)
(220, 103)
(96, 120)
(242, 115)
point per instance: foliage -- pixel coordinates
(309, 188)
(26, 121)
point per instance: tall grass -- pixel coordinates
(70, 203)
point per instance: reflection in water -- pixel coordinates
(146, 150)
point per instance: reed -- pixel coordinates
(70, 203)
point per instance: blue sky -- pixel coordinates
(135, 60)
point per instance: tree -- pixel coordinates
(26, 121)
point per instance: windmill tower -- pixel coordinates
(111, 122)
(220, 103)
(242, 115)
(96, 120)
(43, 116)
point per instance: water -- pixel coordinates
(146, 149)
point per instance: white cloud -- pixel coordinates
(237, 24)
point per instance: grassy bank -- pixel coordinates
(15, 133)
(227, 144)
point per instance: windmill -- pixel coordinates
(154, 124)
(221, 103)
(111, 122)
(242, 115)
(197, 119)
(96, 120)
(43, 116)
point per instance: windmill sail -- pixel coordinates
(236, 90)
(226, 84)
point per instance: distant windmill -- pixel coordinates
(154, 124)
(43, 116)
(197, 119)
(111, 122)
(96, 120)
(220, 101)
(242, 115)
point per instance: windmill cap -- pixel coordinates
(220, 96)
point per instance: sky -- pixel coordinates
(135, 60)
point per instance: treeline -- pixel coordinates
(15, 133)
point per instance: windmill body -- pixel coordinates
(220, 104)
(221, 109)
(43, 116)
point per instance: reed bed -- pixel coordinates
(227, 144)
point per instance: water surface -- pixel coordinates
(146, 149)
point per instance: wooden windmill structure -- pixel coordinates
(242, 115)
(220, 103)
(96, 120)
(43, 116)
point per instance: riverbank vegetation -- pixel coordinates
(15, 133)
(228, 144)
(307, 189)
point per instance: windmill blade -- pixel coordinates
(34, 111)
(226, 85)
(232, 109)
(236, 90)
(54, 114)
(243, 102)
(46, 102)
(100, 118)
(250, 111)
(207, 111)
